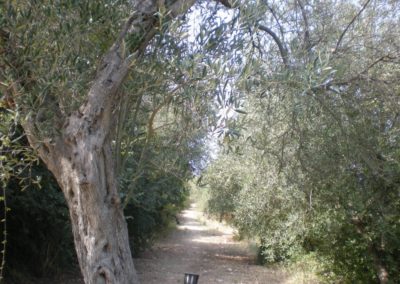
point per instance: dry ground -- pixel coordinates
(205, 248)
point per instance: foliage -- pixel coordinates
(55, 46)
(39, 233)
(39, 239)
(155, 143)
(309, 120)
(316, 166)
(160, 142)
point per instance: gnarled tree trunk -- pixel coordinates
(85, 172)
(82, 161)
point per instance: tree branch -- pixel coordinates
(307, 39)
(349, 25)
(102, 97)
(282, 49)
(275, 17)
(124, 32)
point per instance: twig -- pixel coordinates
(349, 25)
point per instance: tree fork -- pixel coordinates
(82, 161)
(79, 153)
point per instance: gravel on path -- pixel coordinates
(199, 247)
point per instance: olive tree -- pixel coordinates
(321, 95)
(63, 64)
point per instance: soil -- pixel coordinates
(206, 248)
(199, 246)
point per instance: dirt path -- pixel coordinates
(200, 248)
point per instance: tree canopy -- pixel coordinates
(119, 99)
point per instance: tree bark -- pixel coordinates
(86, 175)
(82, 161)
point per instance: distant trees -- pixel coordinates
(316, 167)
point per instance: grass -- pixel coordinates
(305, 269)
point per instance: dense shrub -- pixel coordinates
(157, 199)
(153, 188)
(260, 208)
(39, 237)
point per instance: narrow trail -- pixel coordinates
(196, 247)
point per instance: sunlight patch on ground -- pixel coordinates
(234, 257)
(214, 240)
(192, 228)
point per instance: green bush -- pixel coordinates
(155, 197)
(39, 237)
(39, 241)
(157, 202)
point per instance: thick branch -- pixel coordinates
(97, 111)
(124, 32)
(282, 49)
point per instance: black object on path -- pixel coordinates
(191, 278)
